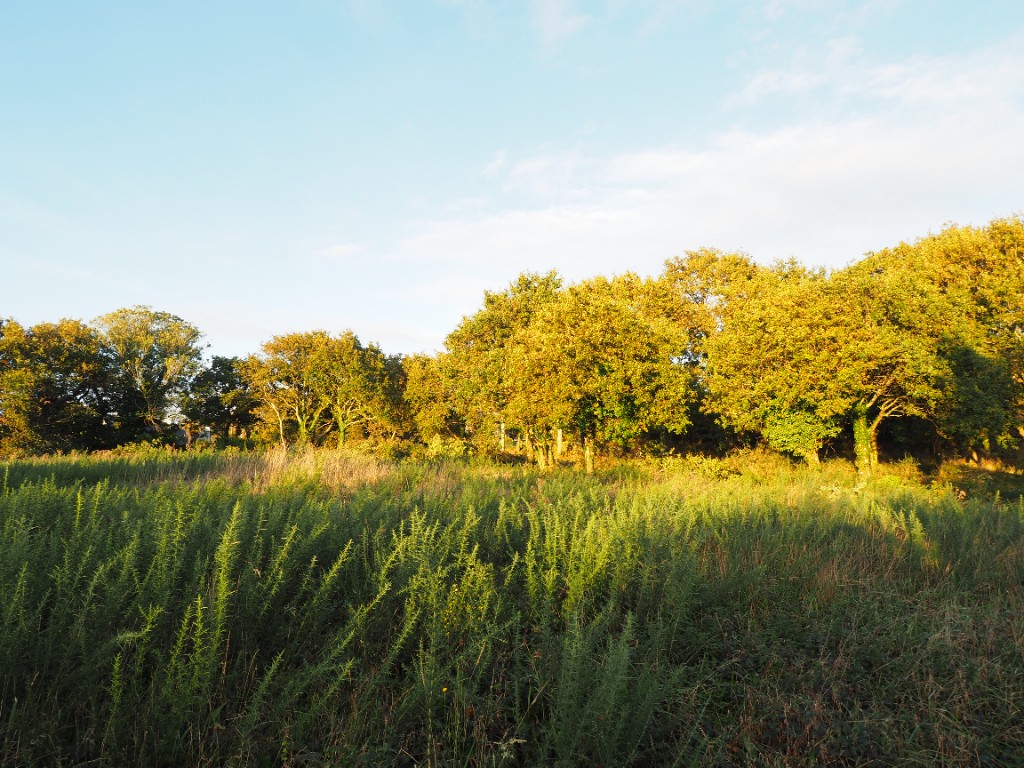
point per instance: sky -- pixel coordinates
(260, 168)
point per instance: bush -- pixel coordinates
(446, 448)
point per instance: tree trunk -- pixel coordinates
(280, 425)
(865, 441)
(342, 422)
(558, 444)
(588, 456)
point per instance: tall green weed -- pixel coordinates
(332, 609)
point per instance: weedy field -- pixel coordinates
(329, 609)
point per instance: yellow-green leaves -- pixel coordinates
(314, 385)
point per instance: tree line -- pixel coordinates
(919, 347)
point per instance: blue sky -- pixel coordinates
(259, 168)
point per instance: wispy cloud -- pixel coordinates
(825, 190)
(339, 253)
(839, 71)
(841, 14)
(556, 20)
(496, 164)
(833, 63)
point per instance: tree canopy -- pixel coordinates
(55, 388)
(928, 335)
(152, 357)
(312, 385)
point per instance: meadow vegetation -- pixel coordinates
(313, 608)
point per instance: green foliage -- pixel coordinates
(800, 433)
(153, 356)
(54, 388)
(773, 352)
(932, 330)
(362, 387)
(218, 397)
(284, 380)
(312, 385)
(170, 609)
(602, 363)
(446, 448)
(714, 353)
(428, 397)
(476, 368)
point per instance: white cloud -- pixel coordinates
(824, 190)
(835, 14)
(993, 78)
(547, 174)
(777, 10)
(496, 164)
(812, 68)
(339, 253)
(838, 72)
(930, 140)
(556, 20)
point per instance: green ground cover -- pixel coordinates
(331, 609)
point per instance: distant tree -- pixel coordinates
(931, 329)
(360, 386)
(771, 355)
(890, 364)
(604, 362)
(218, 397)
(475, 366)
(154, 355)
(706, 282)
(393, 418)
(792, 354)
(310, 385)
(284, 380)
(53, 388)
(961, 292)
(428, 398)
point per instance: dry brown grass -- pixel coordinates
(334, 468)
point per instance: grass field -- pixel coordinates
(330, 609)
